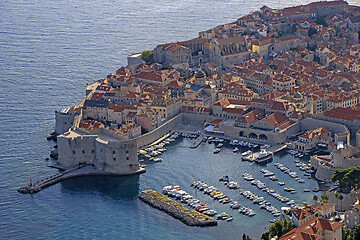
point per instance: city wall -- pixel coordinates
(341, 132)
(159, 132)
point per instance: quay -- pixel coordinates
(81, 170)
(176, 210)
(276, 148)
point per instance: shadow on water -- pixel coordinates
(116, 187)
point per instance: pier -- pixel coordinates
(197, 141)
(81, 170)
(276, 148)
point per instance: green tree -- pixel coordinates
(311, 31)
(325, 197)
(321, 20)
(315, 198)
(278, 229)
(348, 178)
(348, 234)
(147, 56)
(265, 236)
(245, 237)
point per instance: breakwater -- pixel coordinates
(176, 210)
(77, 171)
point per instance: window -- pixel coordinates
(127, 151)
(83, 151)
(127, 158)
(114, 159)
(92, 151)
(113, 152)
(73, 151)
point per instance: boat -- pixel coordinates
(143, 152)
(236, 149)
(217, 150)
(230, 219)
(316, 189)
(224, 178)
(306, 190)
(219, 145)
(210, 212)
(235, 205)
(158, 160)
(274, 178)
(246, 153)
(264, 156)
(223, 216)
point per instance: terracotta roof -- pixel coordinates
(176, 84)
(315, 133)
(216, 121)
(302, 213)
(251, 117)
(311, 230)
(151, 76)
(343, 113)
(276, 119)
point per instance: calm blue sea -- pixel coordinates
(49, 50)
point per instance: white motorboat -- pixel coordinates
(246, 153)
(217, 150)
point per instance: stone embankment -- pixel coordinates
(176, 210)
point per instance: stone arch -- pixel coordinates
(242, 134)
(263, 137)
(253, 135)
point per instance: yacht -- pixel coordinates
(264, 156)
(236, 149)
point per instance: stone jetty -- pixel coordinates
(176, 210)
(80, 170)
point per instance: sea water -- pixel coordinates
(49, 51)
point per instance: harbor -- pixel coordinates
(265, 186)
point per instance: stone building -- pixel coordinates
(176, 53)
(308, 141)
(354, 23)
(103, 148)
(232, 50)
(199, 94)
(167, 107)
(352, 216)
(315, 228)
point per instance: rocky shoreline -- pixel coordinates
(176, 210)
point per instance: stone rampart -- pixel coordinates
(159, 132)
